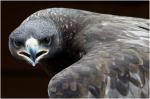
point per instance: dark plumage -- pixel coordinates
(108, 55)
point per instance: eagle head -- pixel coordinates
(35, 40)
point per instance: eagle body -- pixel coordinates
(109, 54)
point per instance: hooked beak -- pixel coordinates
(33, 52)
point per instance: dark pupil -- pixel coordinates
(18, 43)
(46, 40)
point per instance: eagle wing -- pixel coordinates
(117, 64)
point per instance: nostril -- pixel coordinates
(24, 53)
(40, 53)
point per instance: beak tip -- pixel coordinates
(34, 64)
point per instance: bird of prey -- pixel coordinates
(100, 55)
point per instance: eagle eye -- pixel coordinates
(46, 40)
(17, 43)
